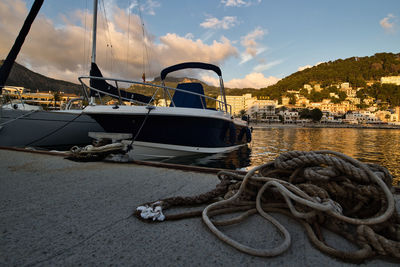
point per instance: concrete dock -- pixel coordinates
(56, 212)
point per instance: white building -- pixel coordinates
(13, 90)
(391, 79)
(289, 116)
(345, 86)
(361, 117)
(263, 110)
(308, 87)
(238, 103)
(354, 100)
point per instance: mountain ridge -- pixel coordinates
(355, 70)
(24, 77)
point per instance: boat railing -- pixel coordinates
(72, 101)
(165, 90)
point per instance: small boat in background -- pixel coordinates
(21, 126)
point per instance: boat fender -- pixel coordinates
(248, 135)
(232, 133)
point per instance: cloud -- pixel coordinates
(147, 6)
(214, 23)
(308, 66)
(304, 67)
(189, 35)
(210, 80)
(239, 3)
(63, 51)
(252, 48)
(263, 67)
(253, 80)
(235, 3)
(388, 23)
(174, 48)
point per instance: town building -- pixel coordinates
(14, 90)
(285, 101)
(344, 86)
(327, 106)
(289, 116)
(308, 88)
(391, 79)
(354, 100)
(317, 87)
(263, 110)
(238, 103)
(302, 101)
(44, 99)
(360, 117)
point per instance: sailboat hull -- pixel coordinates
(46, 129)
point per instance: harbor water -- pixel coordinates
(380, 146)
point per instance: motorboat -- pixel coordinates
(167, 122)
(163, 122)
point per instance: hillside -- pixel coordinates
(355, 70)
(21, 76)
(208, 89)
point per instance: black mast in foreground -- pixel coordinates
(12, 55)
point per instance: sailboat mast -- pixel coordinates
(95, 2)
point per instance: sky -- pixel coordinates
(255, 42)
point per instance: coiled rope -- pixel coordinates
(320, 189)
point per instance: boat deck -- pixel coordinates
(58, 212)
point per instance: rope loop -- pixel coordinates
(320, 189)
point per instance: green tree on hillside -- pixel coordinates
(316, 114)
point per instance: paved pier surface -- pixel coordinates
(57, 212)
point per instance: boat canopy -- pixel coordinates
(190, 65)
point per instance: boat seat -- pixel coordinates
(185, 100)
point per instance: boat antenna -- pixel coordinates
(5, 69)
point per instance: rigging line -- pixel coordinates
(85, 66)
(144, 39)
(129, 23)
(149, 109)
(109, 34)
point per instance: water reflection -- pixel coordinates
(237, 159)
(368, 145)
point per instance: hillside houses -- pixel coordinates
(342, 106)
